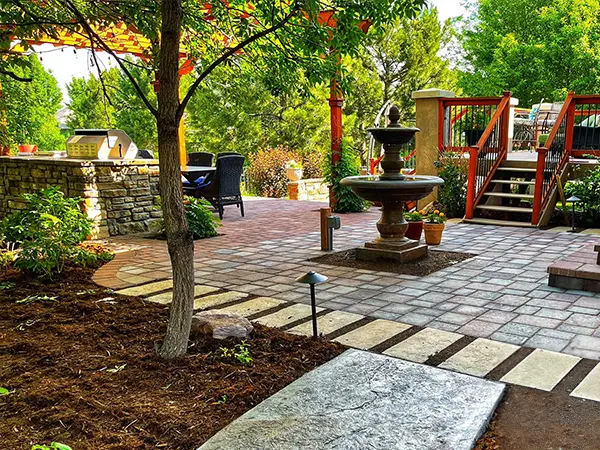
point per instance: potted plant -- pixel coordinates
(294, 170)
(415, 224)
(434, 227)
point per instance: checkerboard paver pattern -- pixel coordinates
(501, 294)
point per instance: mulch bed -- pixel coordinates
(434, 261)
(529, 419)
(82, 371)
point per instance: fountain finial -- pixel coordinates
(394, 116)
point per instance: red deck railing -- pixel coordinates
(462, 121)
(487, 154)
(576, 132)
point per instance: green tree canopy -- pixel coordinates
(30, 107)
(536, 49)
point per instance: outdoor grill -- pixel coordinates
(102, 145)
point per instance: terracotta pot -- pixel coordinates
(433, 233)
(414, 230)
(294, 174)
(27, 148)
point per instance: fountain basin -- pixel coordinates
(376, 189)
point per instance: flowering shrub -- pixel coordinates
(454, 170)
(266, 173)
(312, 163)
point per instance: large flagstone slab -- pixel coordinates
(363, 400)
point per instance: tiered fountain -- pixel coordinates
(392, 189)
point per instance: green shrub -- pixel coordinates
(348, 166)
(587, 189)
(201, 219)
(47, 231)
(454, 170)
(267, 176)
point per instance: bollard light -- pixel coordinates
(573, 200)
(312, 278)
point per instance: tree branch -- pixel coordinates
(14, 76)
(93, 35)
(230, 52)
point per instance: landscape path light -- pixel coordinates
(573, 201)
(312, 278)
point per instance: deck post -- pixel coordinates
(430, 122)
(539, 185)
(473, 151)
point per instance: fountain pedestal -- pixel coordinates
(392, 190)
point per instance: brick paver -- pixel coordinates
(501, 294)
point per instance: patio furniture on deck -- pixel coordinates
(200, 159)
(224, 186)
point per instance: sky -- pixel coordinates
(68, 63)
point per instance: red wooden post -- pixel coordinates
(539, 185)
(473, 151)
(570, 123)
(504, 124)
(336, 103)
(441, 126)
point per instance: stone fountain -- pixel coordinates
(392, 189)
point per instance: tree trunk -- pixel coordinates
(179, 236)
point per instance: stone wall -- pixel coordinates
(315, 189)
(120, 197)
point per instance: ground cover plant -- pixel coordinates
(81, 370)
(48, 235)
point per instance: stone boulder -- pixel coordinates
(221, 324)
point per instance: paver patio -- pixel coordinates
(501, 294)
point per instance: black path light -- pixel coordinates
(573, 201)
(313, 278)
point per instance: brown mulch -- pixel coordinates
(529, 419)
(434, 261)
(58, 359)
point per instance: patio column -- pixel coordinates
(430, 120)
(336, 103)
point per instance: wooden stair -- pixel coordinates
(508, 198)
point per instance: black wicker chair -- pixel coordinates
(224, 187)
(228, 154)
(200, 159)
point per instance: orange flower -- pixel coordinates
(422, 212)
(436, 212)
(442, 215)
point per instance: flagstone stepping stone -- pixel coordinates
(254, 306)
(363, 400)
(147, 289)
(479, 357)
(420, 346)
(372, 334)
(542, 370)
(218, 299)
(589, 388)
(328, 323)
(167, 297)
(286, 316)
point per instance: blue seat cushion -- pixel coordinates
(197, 181)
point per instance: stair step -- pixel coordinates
(500, 223)
(505, 208)
(516, 169)
(530, 183)
(507, 195)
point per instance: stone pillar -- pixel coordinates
(428, 121)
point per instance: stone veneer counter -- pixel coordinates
(121, 197)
